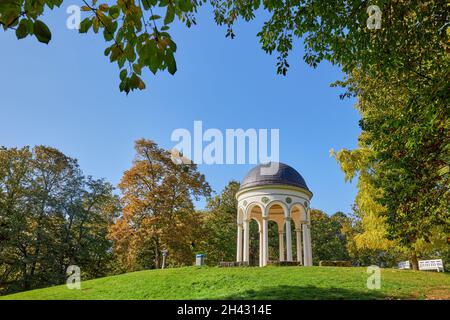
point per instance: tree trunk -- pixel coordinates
(156, 259)
(157, 262)
(414, 261)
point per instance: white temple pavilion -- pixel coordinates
(281, 196)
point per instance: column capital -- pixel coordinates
(298, 230)
(287, 219)
(280, 232)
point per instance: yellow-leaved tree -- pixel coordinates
(158, 211)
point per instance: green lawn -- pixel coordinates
(254, 283)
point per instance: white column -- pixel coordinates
(246, 241)
(239, 242)
(305, 244)
(265, 240)
(288, 239)
(310, 261)
(299, 245)
(281, 244)
(261, 241)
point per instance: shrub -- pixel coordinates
(329, 263)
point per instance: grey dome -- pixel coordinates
(286, 175)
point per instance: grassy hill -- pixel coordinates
(253, 283)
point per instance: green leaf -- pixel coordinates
(154, 64)
(114, 12)
(171, 63)
(146, 4)
(134, 81)
(155, 17)
(108, 36)
(170, 14)
(42, 32)
(103, 7)
(107, 51)
(131, 54)
(123, 74)
(85, 25)
(95, 24)
(185, 5)
(121, 61)
(22, 29)
(137, 68)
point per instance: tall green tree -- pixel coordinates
(220, 221)
(327, 239)
(51, 216)
(404, 154)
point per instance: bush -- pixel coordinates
(329, 263)
(225, 264)
(284, 263)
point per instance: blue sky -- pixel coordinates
(66, 95)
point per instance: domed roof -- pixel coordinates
(286, 175)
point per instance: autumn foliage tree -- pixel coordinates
(158, 210)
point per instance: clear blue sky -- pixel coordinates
(66, 95)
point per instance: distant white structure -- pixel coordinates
(282, 197)
(424, 265)
(437, 265)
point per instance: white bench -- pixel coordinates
(437, 265)
(404, 265)
(424, 265)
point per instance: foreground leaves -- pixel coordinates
(137, 31)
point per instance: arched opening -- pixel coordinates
(293, 241)
(274, 244)
(255, 212)
(298, 215)
(276, 215)
(254, 242)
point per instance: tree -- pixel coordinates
(327, 240)
(51, 217)
(404, 154)
(158, 211)
(341, 32)
(220, 220)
